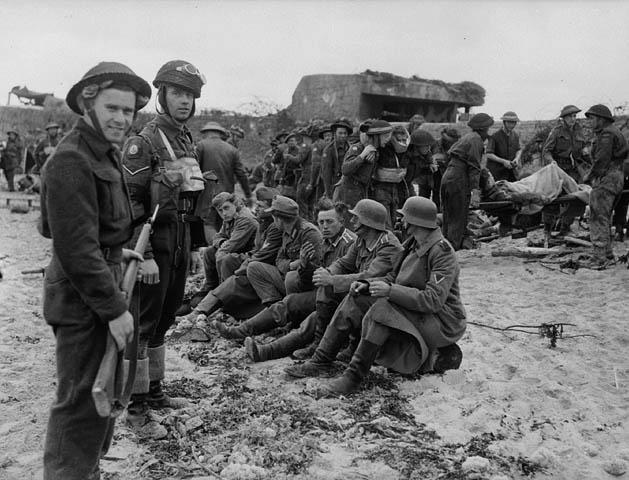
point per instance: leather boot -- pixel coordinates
(356, 371)
(137, 410)
(322, 361)
(158, 399)
(448, 358)
(347, 353)
(260, 323)
(324, 315)
(620, 234)
(279, 348)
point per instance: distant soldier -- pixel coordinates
(264, 172)
(460, 186)
(85, 210)
(236, 134)
(46, 147)
(305, 198)
(289, 167)
(422, 165)
(565, 144)
(223, 159)
(333, 154)
(449, 136)
(324, 134)
(360, 162)
(415, 122)
(609, 150)
(503, 149)
(12, 157)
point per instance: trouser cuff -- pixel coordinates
(157, 363)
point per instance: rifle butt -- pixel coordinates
(103, 387)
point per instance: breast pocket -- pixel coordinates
(112, 198)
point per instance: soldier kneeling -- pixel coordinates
(409, 320)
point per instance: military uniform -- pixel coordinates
(230, 247)
(289, 171)
(609, 150)
(44, 149)
(331, 163)
(316, 181)
(505, 145)
(419, 171)
(422, 313)
(461, 177)
(273, 282)
(264, 173)
(388, 185)
(144, 158)
(565, 146)
(356, 180)
(85, 210)
(11, 160)
(304, 193)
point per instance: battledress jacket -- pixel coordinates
(356, 179)
(469, 150)
(237, 235)
(85, 209)
(424, 302)
(331, 161)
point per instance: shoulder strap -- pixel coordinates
(167, 144)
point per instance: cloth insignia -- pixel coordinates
(133, 150)
(438, 278)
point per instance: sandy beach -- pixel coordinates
(517, 408)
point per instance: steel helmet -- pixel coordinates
(420, 211)
(569, 110)
(371, 213)
(182, 74)
(421, 138)
(417, 118)
(600, 111)
(51, 125)
(214, 127)
(97, 78)
(342, 123)
(510, 117)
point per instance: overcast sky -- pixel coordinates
(531, 56)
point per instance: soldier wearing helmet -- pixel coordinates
(85, 210)
(503, 149)
(388, 183)
(448, 137)
(360, 162)
(324, 137)
(460, 186)
(609, 150)
(236, 134)
(46, 147)
(422, 165)
(565, 144)
(12, 157)
(409, 319)
(161, 168)
(333, 155)
(372, 255)
(415, 122)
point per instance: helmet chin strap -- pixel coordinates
(89, 110)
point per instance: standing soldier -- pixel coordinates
(151, 160)
(503, 149)
(264, 172)
(236, 134)
(333, 154)
(449, 136)
(46, 147)
(12, 157)
(565, 144)
(609, 150)
(290, 166)
(85, 210)
(460, 186)
(422, 165)
(360, 162)
(324, 135)
(304, 194)
(223, 159)
(415, 122)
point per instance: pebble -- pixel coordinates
(591, 449)
(475, 464)
(542, 456)
(615, 468)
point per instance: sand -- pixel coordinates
(563, 409)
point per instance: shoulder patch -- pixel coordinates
(445, 246)
(133, 148)
(354, 149)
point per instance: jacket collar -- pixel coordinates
(435, 237)
(171, 128)
(335, 241)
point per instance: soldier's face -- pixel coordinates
(291, 142)
(52, 132)
(227, 211)
(114, 110)
(570, 120)
(329, 223)
(341, 134)
(509, 126)
(327, 136)
(179, 103)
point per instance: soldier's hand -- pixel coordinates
(475, 200)
(379, 288)
(128, 255)
(359, 286)
(196, 263)
(121, 328)
(149, 272)
(321, 277)
(306, 254)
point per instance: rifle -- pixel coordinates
(110, 398)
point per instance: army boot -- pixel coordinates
(448, 358)
(158, 399)
(325, 311)
(282, 347)
(347, 353)
(357, 370)
(322, 361)
(260, 323)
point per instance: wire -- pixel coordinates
(553, 331)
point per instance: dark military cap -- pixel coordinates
(323, 129)
(342, 123)
(601, 111)
(284, 205)
(452, 133)
(213, 127)
(51, 125)
(281, 137)
(266, 193)
(569, 110)
(479, 121)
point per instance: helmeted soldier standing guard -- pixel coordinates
(565, 144)
(333, 154)
(609, 151)
(85, 209)
(46, 147)
(161, 169)
(12, 157)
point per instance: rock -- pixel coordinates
(615, 468)
(542, 456)
(475, 464)
(591, 450)
(194, 423)
(153, 430)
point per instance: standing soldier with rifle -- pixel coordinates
(85, 210)
(46, 147)
(161, 169)
(12, 157)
